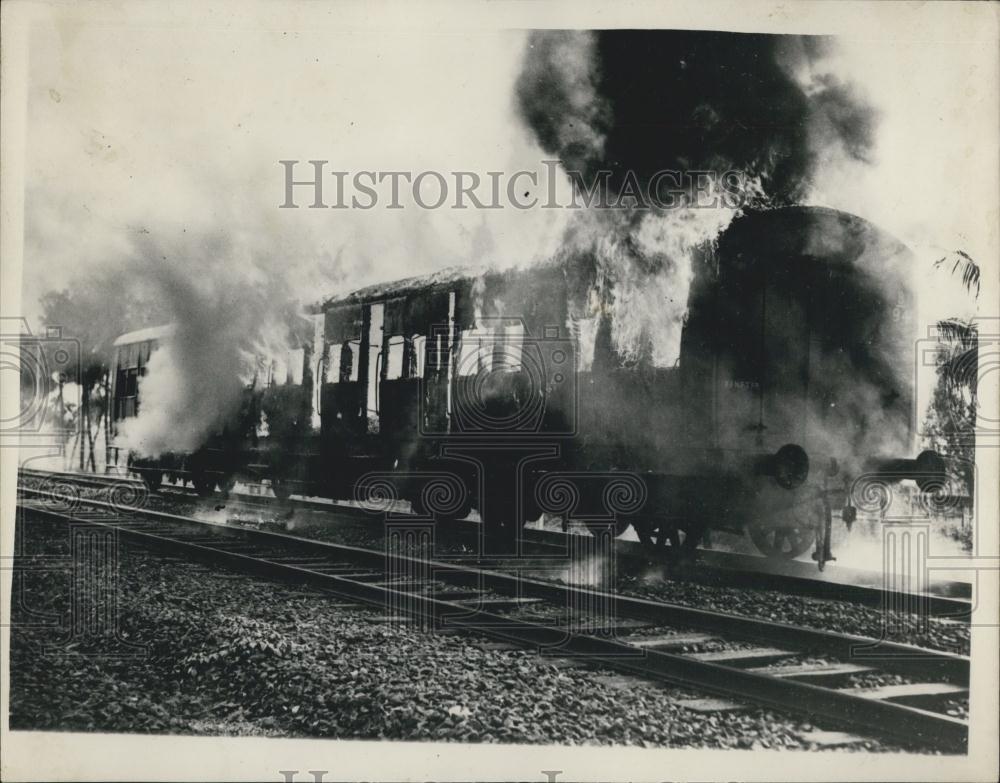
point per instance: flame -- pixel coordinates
(643, 265)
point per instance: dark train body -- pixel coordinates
(794, 378)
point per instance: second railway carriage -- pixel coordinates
(505, 392)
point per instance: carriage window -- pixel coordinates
(332, 372)
(349, 352)
(394, 359)
(132, 359)
(129, 407)
(131, 382)
(418, 355)
(405, 358)
(476, 351)
(342, 362)
(492, 348)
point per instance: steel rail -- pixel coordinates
(892, 656)
(901, 722)
(948, 600)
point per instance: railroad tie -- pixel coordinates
(816, 674)
(451, 595)
(830, 739)
(671, 641)
(499, 604)
(742, 658)
(712, 704)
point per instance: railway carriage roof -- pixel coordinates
(450, 276)
(444, 279)
(149, 333)
(441, 279)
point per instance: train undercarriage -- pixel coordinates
(669, 513)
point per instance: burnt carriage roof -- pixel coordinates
(801, 217)
(149, 333)
(452, 277)
(444, 278)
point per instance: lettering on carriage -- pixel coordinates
(743, 385)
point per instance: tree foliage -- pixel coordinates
(970, 271)
(94, 311)
(950, 424)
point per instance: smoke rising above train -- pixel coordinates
(639, 102)
(621, 107)
(632, 103)
(229, 303)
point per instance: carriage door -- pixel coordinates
(342, 391)
(411, 361)
(436, 395)
(396, 372)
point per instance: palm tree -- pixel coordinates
(970, 269)
(958, 361)
(950, 425)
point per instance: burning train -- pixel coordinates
(507, 392)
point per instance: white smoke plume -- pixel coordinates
(643, 268)
(228, 305)
(153, 219)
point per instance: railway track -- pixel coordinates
(748, 660)
(950, 600)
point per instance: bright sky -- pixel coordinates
(150, 123)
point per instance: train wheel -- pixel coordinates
(783, 542)
(152, 479)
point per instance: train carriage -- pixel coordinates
(794, 378)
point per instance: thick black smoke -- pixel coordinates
(645, 101)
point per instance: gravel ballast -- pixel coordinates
(226, 654)
(352, 527)
(658, 583)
